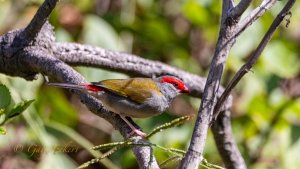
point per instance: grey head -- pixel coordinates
(171, 86)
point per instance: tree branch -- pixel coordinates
(227, 6)
(226, 144)
(238, 10)
(39, 19)
(247, 66)
(226, 40)
(28, 35)
(254, 15)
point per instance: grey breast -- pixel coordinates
(124, 106)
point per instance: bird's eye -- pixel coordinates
(175, 84)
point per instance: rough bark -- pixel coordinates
(226, 39)
(225, 142)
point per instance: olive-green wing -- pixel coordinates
(136, 89)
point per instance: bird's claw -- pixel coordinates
(137, 132)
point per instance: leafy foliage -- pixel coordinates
(19, 108)
(5, 113)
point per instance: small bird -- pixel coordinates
(133, 97)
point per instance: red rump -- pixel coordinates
(92, 87)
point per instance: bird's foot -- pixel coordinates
(138, 132)
(134, 131)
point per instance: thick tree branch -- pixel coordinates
(238, 10)
(227, 6)
(252, 60)
(226, 144)
(226, 40)
(28, 35)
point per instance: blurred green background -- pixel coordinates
(182, 33)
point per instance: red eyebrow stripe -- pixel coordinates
(92, 87)
(171, 80)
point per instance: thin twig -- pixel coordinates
(171, 124)
(39, 19)
(254, 15)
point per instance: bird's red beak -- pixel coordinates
(185, 90)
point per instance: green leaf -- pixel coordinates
(295, 134)
(2, 131)
(5, 97)
(19, 108)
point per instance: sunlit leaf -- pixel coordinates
(2, 131)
